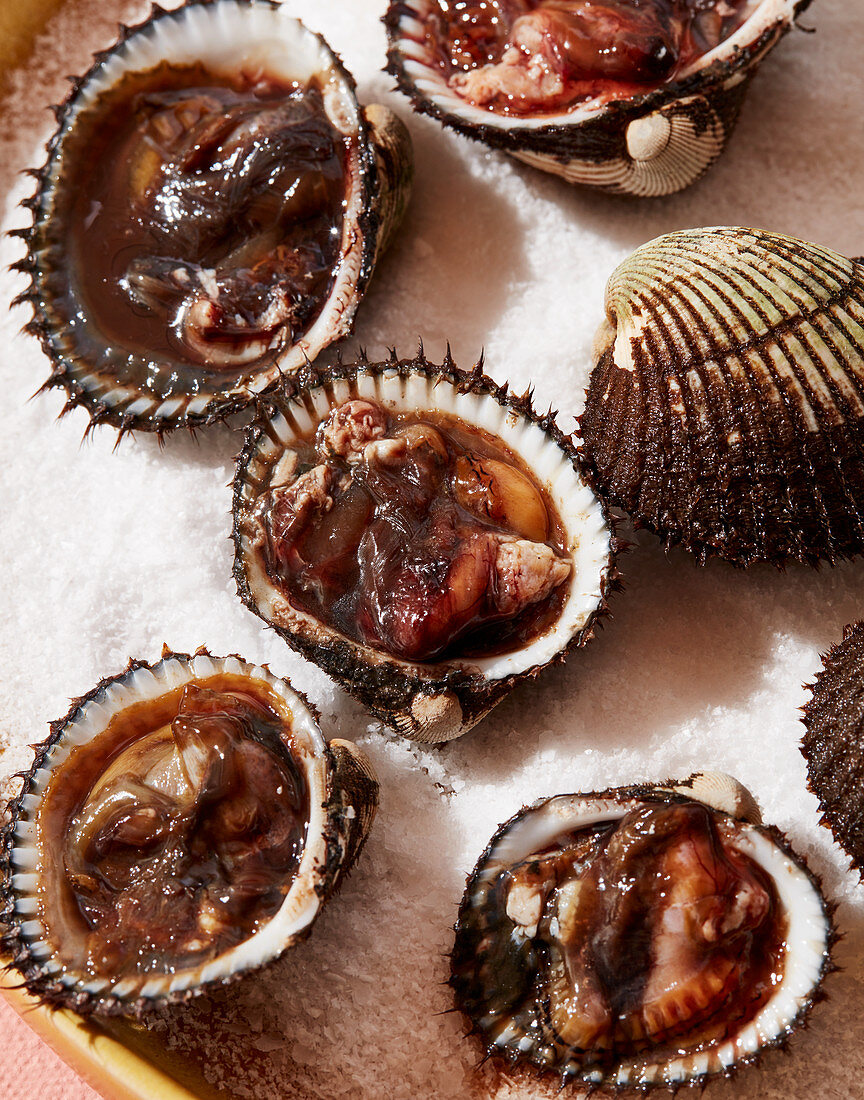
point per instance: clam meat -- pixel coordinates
(528, 56)
(211, 211)
(205, 216)
(400, 538)
(630, 96)
(639, 937)
(184, 823)
(415, 534)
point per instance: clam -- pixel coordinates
(182, 825)
(421, 534)
(210, 214)
(726, 408)
(834, 739)
(646, 936)
(629, 97)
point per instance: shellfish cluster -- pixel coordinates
(206, 225)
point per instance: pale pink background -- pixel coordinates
(29, 1070)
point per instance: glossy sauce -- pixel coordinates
(387, 563)
(575, 49)
(151, 865)
(668, 936)
(201, 220)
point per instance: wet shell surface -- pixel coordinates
(653, 143)
(230, 348)
(549, 986)
(726, 409)
(833, 744)
(438, 699)
(97, 797)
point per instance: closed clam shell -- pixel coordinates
(435, 700)
(44, 942)
(725, 410)
(151, 388)
(833, 744)
(651, 143)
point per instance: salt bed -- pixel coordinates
(108, 554)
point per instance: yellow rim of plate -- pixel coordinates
(118, 1058)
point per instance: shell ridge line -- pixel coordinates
(696, 440)
(717, 306)
(795, 411)
(655, 460)
(737, 386)
(838, 336)
(769, 399)
(792, 325)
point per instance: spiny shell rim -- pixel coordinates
(418, 384)
(811, 935)
(420, 77)
(87, 720)
(241, 29)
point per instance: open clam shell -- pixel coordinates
(726, 409)
(439, 699)
(128, 382)
(522, 942)
(60, 956)
(833, 744)
(653, 143)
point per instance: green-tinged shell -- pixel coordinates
(833, 744)
(507, 979)
(133, 391)
(726, 409)
(653, 143)
(342, 798)
(433, 701)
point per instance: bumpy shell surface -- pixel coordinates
(435, 701)
(726, 409)
(343, 793)
(833, 744)
(652, 144)
(476, 963)
(225, 35)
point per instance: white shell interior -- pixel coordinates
(301, 902)
(806, 940)
(228, 36)
(588, 536)
(422, 68)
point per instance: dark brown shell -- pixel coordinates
(426, 702)
(726, 409)
(833, 744)
(695, 114)
(343, 819)
(195, 398)
(484, 954)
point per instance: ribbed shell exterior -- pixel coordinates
(726, 409)
(476, 961)
(224, 34)
(436, 701)
(833, 744)
(343, 799)
(649, 145)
